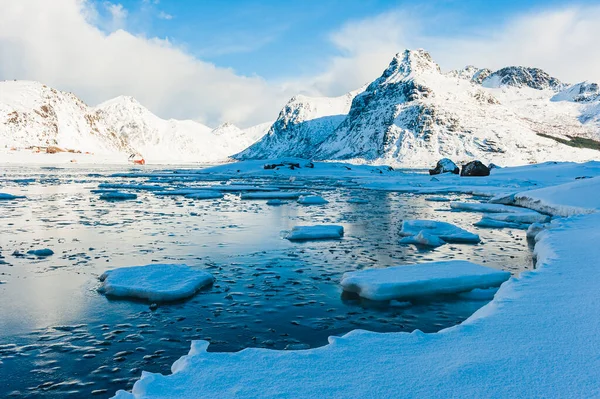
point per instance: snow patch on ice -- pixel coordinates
(155, 282)
(446, 231)
(427, 279)
(322, 232)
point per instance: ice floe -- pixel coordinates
(358, 201)
(321, 232)
(488, 208)
(8, 197)
(423, 239)
(426, 279)
(272, 195)
(117, 196)
(312, 200)
(446, 231)
(206, 194)
(141, 187)
(155, 282)
(498, 224)
(41, 253)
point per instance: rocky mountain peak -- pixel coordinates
(409, 63)
(518, 76)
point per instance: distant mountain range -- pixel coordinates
(33, 114)
(412, 115)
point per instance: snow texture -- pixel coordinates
(426, 279)
(446, 231)
(322, 232)
(155, 282)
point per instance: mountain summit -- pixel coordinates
(414, 114)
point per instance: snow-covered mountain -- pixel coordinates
(414, 114)
(32, 114)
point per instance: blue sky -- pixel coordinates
(276, 39)
(241, 61)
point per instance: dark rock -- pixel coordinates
(493, 166)
(475, 168)
(444, 165)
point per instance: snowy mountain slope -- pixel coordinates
(32, 114)
(302, 125)
(414, 115)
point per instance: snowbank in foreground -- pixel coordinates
(537, 338)
(156, 282)
(432, 278)
(580, 196)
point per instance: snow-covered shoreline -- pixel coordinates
(537, 338)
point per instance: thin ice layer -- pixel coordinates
(324, 232)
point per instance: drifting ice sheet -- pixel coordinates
(272, 195)
(423, 239)
(446, 231)
(208, 194)
(156, 282)
(117, 196)
(312, 200)
(305, 233)
(8, 197)
(489, 208)
(422, 280)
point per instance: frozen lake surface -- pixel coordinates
(60, 338)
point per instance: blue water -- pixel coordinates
(60, 338)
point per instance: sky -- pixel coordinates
(241, 60)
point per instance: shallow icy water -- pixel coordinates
(60, 338)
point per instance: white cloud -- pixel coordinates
(164, 15)
(59, 43)
(55, 43)
(564, 42)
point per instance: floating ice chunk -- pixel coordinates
(324, 232)
(275, 202)
(437, 199)
(498, 224)
(41, 253)
(183, 191)
(358, 201)
(446, 231)
(423, 239)
(272, 195)
(425, 279)
(242, 187)
(207, 194)
(8, 197)
(524, 218)
(145, 187)
(117, 196)
(312, 200)
(155, 282)
(489, 208)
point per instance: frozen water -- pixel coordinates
(489, 208)
(427, 279)
(41, 253)
(156, 283)
(534, 229)
(446, 231)
(323, 232)
(275, 202)
(207, 194)
(499, 224)
(272, 195)
(142, 187)
(423, 239)
(312, 200)
(8, 197)
(117, 196)
(437, 199)
(523, 218)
